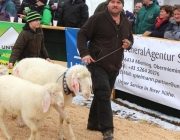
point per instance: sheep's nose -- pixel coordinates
(61, 104)
(86, 95)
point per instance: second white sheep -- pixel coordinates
(31, 101)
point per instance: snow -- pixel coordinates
(132, 114)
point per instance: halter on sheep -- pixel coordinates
(39, 71)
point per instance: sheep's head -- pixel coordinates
(3, 70)
(52, 96)
(81, 82)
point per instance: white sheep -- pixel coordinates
(30, 101)
(3, 70)
(39, 71)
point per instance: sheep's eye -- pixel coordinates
(53, 94)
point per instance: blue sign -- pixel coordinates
(72, 52)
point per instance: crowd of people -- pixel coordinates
(148, 18)
(109, 32)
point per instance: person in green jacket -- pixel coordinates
(42, 9)
(146, 16)
(101, 7)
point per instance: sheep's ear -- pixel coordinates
(46, 102)
(15, 70)
(75, 84)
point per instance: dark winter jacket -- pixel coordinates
(105, 37)
(74, 14)
(159, 32)
(25, 3)
(173, 31)
(56, 13)
(29, 44)
(17, 3)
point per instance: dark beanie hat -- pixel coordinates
(43, 1)
(33, 15)
(119, 0)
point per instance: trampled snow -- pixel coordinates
(134, 114)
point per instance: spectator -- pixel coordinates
(43, 10)
(156, 1)
(136, 9)
(129, 14)
(74, 14)
(25, 3)
(101, 7)
(133, 16)
(109, 34)
(7, 9)
(55, 11)
(30, 42)
(173, 30)
(146, 16)
(17, 3)
(162, 22)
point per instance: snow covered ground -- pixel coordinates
(134, 114)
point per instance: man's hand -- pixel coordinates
(48, 59)
(87, 60)
(21, 16)
(10, 65)
(53, 7)
(126, 44)
(24, 12)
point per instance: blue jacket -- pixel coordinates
(159, 32)
(8, 7)
(173, 31)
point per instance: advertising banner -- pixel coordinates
(151, 70)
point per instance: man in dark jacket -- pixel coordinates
(25, 3)
(74, 14)
(109, 33)
(56, 10)
(17, 3)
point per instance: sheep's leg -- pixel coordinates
(31, 124)
(21, 122)
(38, 128)
(2, 124)
(14, 116)
(61, 128)
(67, 120)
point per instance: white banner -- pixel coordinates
(152, 71)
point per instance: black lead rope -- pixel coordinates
(108, 55)
(61, 75)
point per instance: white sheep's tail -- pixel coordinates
(4, 70)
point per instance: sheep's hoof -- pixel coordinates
(14, 116)
(21, 125)
(10, 138)
(62, 138)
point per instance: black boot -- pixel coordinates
(93, 127)
(108, 135)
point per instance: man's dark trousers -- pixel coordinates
(101, 111)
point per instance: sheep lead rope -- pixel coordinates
(108, 55)
(61, 75)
